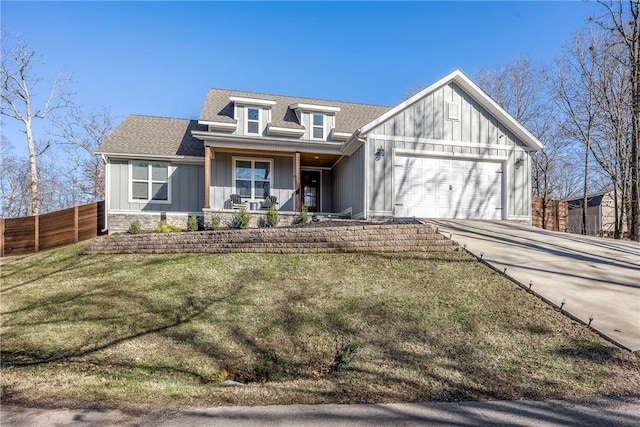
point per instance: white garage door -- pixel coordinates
(427, 187)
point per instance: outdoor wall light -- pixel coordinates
(530, 284)
(519, 162)
(590, 320)
(562, 303)
(379, 153)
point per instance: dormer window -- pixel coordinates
(253, 120)
(318, 126)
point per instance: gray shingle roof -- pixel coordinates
(154, 136)
(351, 116)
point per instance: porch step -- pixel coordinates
(360, 238)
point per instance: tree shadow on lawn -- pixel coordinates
(170, 317)
(291, 339)
(70, 263)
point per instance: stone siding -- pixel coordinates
(226, 219)
(119, 222)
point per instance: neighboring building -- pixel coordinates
(447, 152)
(600, 215)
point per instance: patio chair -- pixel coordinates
(235, 202)
(269, 201)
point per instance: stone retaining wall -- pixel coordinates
(361, 238)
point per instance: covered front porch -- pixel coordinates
(255, 178)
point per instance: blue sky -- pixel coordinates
(159, 58)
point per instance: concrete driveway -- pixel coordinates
(594, 276)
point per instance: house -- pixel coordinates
(447, 152)
(601, 216)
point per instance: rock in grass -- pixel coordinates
(230, 383)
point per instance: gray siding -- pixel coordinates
(348, 183)
(222, 179)
(427, 119)
(424, 128)
(327, 191)
(187, 189)
(380, 182)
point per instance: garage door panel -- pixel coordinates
(448, 188)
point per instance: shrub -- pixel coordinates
(134, 228)
(273, 217)
(216, 218)
(241, 219)
(192, 223)
(303, 218)
(164, 227)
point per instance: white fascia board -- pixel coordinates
(340, 136)
(476, 93)
(352, 144)
(130, 156)
(220, 125)
(251, 101)
(260, 143)
(314, 107)
(284, 131)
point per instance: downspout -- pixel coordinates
(106, 193)
(366, 177)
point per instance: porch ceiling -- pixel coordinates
(318, 160)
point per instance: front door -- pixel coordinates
(311, 190)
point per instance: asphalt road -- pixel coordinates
(595, 412)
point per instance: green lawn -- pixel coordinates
(169, 329)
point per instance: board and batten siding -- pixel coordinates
(424, 128)
(348, 184)
(187, 189)
(222, 179)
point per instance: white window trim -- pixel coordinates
(246, 120)
(252, 160)
(313, 126)
(149, 183)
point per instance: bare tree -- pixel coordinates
(522, 89)
(625, 23)
(14, 183)
(574, 79)
(17, 101)
(79, 134)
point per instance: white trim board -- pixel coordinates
(422, 153)
(445, 142)
(152, 157)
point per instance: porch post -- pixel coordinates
(207, 177)
(296, 167)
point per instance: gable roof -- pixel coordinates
(477, 94)
(159, 136)
(218, 108)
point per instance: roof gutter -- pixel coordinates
(352, 144)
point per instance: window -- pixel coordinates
(318, 126)
(253, 120)
(149, 182)
(252, 178)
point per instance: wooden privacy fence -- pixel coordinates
(19, 236)
(550, 215)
